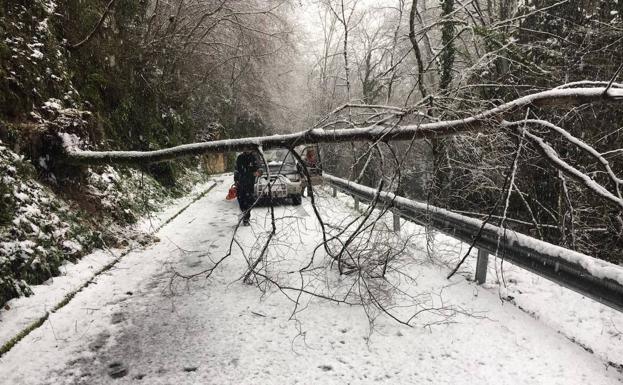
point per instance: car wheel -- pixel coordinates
(296, 199)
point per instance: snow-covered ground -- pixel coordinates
(593, 326)
(19, 313)
(134, 321)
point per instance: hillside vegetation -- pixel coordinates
(109, 75)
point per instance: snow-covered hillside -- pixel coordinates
(42, 229)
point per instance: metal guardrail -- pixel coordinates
(591, 277)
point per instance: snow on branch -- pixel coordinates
(589, 83)
(577, 142)
(374, 132)
(565, 167)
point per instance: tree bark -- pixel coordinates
(416, 49)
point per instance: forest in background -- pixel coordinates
(449, 59)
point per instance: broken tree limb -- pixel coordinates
(477, 122)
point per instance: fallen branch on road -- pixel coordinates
(375, 132)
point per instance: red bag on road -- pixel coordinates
(232, 193)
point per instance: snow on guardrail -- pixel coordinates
(589, 276)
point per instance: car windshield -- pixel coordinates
(280, 161)
(277, 157)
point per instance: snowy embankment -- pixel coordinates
(24, 313)
(137, 325)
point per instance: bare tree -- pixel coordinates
(344, 12)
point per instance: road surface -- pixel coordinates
(134, 325)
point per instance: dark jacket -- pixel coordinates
(246, 166)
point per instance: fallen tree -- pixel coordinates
(378, 126)
(359, 246)
(380, 131)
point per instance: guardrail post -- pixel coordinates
(356, 203)
(334, 194)
(396, 222)
(481, 266)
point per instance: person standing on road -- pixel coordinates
(247, 168)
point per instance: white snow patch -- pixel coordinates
(36, 54)
(70, 141)
(53, 104)
(72, 246)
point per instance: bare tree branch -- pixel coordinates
(477, 122)
(96, 28)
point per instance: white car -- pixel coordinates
(285, 177)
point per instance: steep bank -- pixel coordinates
(42, 228)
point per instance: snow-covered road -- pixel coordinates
(134, 323)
